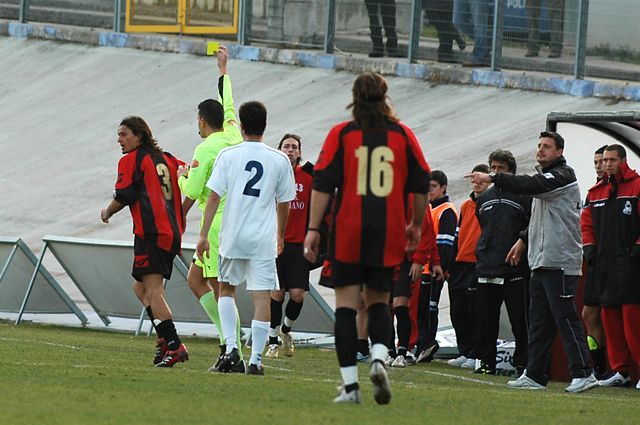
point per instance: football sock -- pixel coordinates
(238, 331)
(150, 314)
(350, 378)
(291, 314)
(403, 327)
(597, 355)
(363, 347)
(167, 330)
(210, 305)
(259, 333)
(276, 313)
(346, 336)
(379, 330)
(273, 335)
(228, 320)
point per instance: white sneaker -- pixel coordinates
(380, 380)
(345, 397)
(579, 385)
(389, 361)
(457, 361)
(525, 383)
(399, 361)
(410, 358)
(469, 364)
(287, 343)
(273, 351)
(638, 385)
(617, 380)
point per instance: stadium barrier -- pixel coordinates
(101, 270)
(26, 286)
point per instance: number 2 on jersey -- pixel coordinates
(249, 190)
(378, 179)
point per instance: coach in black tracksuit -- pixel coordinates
(502, 216)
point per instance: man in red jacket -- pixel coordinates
(610, 226)
(405, 298)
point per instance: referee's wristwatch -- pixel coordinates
(492, 176)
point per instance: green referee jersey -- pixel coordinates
(195, 185)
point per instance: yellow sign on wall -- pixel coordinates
(182, 16)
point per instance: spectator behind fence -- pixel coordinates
(556, 20)
(471, 17)
(368, 232)
(385, 10)
(463, 280)
(502, 216)
(555, 258)
(611, 229)
(591, 310)
(440, 15)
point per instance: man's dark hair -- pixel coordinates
(555, 136)
(294, 137)
(622, 152)
(600, 150)
(504, 155)
(253, 117)
(212, 112)
(481, 168)
(440, 177)
(370, 107)
(140, 128)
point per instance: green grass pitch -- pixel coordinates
(56, 375)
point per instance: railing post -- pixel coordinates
(414, 35)
(581, 39)
(24, 9)
(496, 39)
(117, 12)
(244, 22)
(330, 29)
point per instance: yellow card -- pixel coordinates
(212, 48)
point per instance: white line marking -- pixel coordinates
(73, 347)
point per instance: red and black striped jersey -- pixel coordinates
(299, 207)
(374, 170)
(148, 184)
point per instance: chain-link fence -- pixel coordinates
(594, 38)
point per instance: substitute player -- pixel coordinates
(374, 161)
(217, 125)
(293, 268)
(259, 184)
(148, 184)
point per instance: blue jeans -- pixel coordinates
(471, 17)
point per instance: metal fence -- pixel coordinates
(594, 38)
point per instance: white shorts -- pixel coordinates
(260, 275)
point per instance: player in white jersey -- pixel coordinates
(259, 184)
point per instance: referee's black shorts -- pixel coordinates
(293, 268)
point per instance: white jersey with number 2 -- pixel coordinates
(254, 177)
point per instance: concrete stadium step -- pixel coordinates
(98, 5)
(91, 13)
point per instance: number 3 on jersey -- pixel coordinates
(249, 190)
(378, 178)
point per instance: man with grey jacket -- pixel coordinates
(555, 258)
